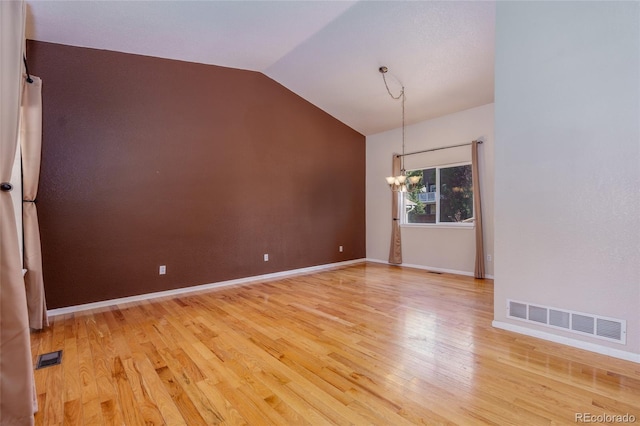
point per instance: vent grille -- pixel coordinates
(578, 322)
(538, 314)
(559, 318)
(48, 360)
(582, 323)
(518, 310)
(609, 329)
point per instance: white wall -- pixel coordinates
(567, 161)
(438, 248)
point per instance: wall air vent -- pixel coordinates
(559, 318)
(597, 326)
(538, 314)
(609, 329)
(582, 323)
(518, 310)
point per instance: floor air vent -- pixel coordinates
(47, 360)
(611, 329)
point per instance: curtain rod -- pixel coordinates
(26, 69)
(437, 149)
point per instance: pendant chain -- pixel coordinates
(402, 97)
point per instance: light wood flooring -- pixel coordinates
(365, 344)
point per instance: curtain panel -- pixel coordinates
(395, 251)
(31, 144)
(17, 396)
(477, 208)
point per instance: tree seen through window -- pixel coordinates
(442, 195)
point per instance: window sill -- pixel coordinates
(467, 226)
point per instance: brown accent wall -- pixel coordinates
(150, 162)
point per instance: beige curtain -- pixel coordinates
(395, 251)
(31, 144)
(17, 396)
(477, 208)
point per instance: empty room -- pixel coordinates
(319, 212)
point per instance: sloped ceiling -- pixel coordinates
(328, 52)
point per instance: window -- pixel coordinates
(443, 195)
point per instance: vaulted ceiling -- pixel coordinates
(328, 52)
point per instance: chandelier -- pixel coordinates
(400, 183)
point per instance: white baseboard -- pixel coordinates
(185, 290)
(593, 347)
(429, 268)
(368, 259)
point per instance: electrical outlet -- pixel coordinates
(162, 270)
(489, 258)
(340, 249)
(266, 257)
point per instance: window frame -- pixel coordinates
(459, 225)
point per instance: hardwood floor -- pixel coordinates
(365, 344)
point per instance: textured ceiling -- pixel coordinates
(328, 52)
